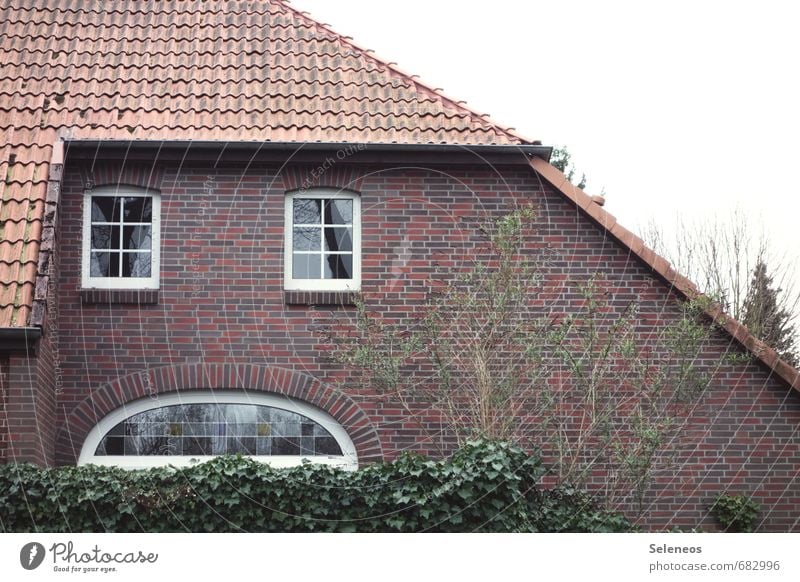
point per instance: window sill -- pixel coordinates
(344, 298)
(119, 296)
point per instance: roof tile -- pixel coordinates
(189, 70)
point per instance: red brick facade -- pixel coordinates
(222, 321)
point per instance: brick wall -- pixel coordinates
(222, 320)
(4, 434)
(31, 389)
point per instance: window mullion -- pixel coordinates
(322, 239)
(121, 237)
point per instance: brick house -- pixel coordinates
(191, 190)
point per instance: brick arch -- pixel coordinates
(220, 377)
(326, 175)
(114, 174)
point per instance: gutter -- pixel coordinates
(19, 338)
(522, 152)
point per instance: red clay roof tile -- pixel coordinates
(189, 70)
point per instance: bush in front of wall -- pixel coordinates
(735, 513)
(486, 486)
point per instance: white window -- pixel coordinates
(190, 427)
(323, 241)
(121, 238)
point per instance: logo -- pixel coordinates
(31, 555)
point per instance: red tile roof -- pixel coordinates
(188, 71)
(206, 71)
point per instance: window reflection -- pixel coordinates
(217, 429)
(121, 236)
(322, 238)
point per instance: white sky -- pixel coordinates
(679, 107)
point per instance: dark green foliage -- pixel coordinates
(735, 513)
(766, 318)
(562, 160)
(568, 510)
(486, 486)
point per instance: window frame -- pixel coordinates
(292, 284)
(348, 460)
(152, 282)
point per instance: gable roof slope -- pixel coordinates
(188, 71)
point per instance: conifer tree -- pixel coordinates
(765, 318)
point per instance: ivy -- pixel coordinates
(486, 486)
(735, 513)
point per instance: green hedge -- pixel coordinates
(486, 486)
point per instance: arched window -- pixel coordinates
(184, 428)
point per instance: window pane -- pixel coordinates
(197, 446)
(327, 446)
(105, 237)
(105, 265)
(114, 445)
(131, 446)
(306, 239)
(306, 266)
(280, 415)
(286, 446)
(307, 211)
(163, 445)
(138, 209)
(207, 413)
(338, 239)
(338, 212)
(264, 446)
(287, 429)
(212, 429)
(307, 446)
(136, 237)
(239, 413)
(105, 209)
(136, 264)
(338, 266)
(241, 445)
(193, 429)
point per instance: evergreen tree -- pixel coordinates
(764, 316)
(562, 160)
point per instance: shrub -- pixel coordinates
(565, 509)
(486, 486)
(735, 513)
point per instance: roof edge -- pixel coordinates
(661, 266)
(47, 246)
(310, 152)
(537, 150)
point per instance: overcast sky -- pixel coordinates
(679, 107)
